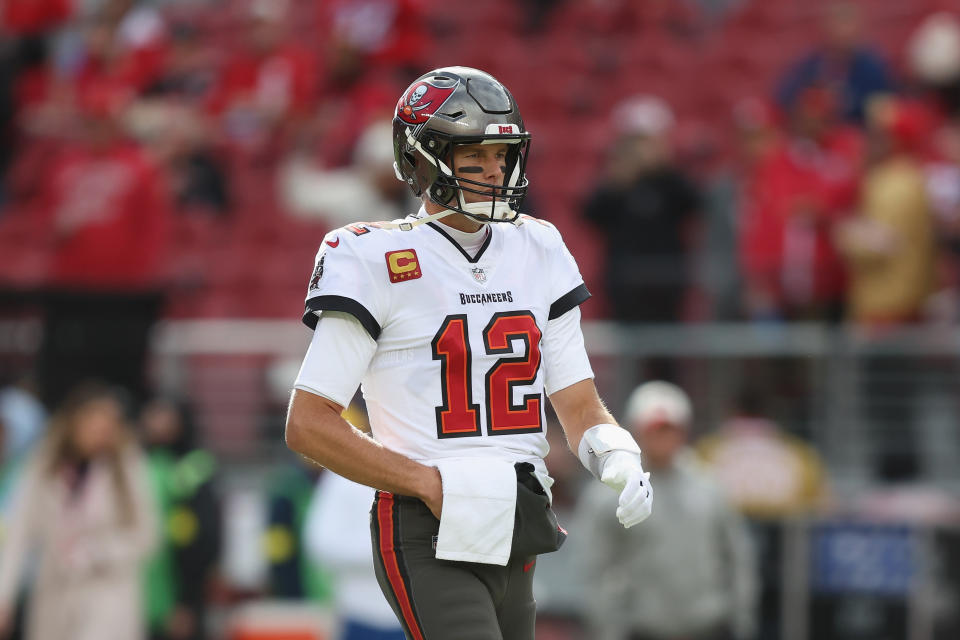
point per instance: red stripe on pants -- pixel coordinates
(388, 554)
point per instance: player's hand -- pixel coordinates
(623, 472)
(433, 494)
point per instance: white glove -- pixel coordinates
(613, 457)
(623, 472)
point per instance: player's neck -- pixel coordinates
(457, 221)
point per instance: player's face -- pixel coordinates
(480, 162)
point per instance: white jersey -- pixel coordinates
(459, 367)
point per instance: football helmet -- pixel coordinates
(460, 105)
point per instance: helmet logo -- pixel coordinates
(418, 94)
(421, 101)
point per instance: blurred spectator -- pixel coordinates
(179, 135)
(889, 245)
(23, 79)
(943, 189)
(4, 476)
(33, 17)
(373, 33)
(337, 537)
(537, 13)
(934, 58)
(842, 64)
(291, 572)
(179, 140)
(891, 250)
(267, 87)
(184, 476)
(766, 473)
(687, 573)
(23, 416)
(644, 207)
(108, 218)
(189, 66)
(10, 472)
(85, 505)
(799, 188)
(700, 152)
(367, 190)
(120, 45)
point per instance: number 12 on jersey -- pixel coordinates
(459, 415)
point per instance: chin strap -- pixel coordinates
(407, 225)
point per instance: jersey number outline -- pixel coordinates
(459, 415)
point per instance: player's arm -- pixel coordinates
(315, 430)
(579, 408)
(334, 365)
(605, 449)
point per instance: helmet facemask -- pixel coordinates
(448, 188)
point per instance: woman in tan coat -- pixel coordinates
(84, 506)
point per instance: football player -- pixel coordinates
(458, 321)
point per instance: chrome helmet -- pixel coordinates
(460, 105)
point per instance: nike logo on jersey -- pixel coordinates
(529, 566)
(334, 244)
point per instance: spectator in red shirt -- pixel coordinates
(107, 213)
(267, 88)
(123, 46)
(106, 205)
(795, 195)
(33, 17)
(365, 33)
(371, 49)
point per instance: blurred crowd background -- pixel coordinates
(763, 196)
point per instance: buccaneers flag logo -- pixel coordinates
(421, 101)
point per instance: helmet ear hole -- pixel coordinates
(442, 194)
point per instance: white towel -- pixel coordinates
(479, 500)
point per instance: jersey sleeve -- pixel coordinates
(565, 360)
(341, 281)
(567, 287)
(338, 356)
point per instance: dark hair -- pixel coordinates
(186, 438)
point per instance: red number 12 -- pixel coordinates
(459, 415)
